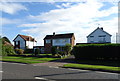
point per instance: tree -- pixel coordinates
(5, 39)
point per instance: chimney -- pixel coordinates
(102, 28)
(54, 33)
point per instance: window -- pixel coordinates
(57, 41)
(48, 41)
(102, 36)
(91, 36)
(65, 40)
(16, 42)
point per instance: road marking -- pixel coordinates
(14, 63)
(53, 67)
(107, 73)
(1, 71)
(43, 79)
(78, 69)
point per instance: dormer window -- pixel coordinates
(48, 41)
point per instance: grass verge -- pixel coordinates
(28, 60)
(92, 67)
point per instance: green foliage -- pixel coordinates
(67, 49)
(28, 51)
(7, 50)
(96, 51)
(5, 39)
(19, 51)
(37, 51)
(54, 50)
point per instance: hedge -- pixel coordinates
(97, 51)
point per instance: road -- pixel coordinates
(27, 71)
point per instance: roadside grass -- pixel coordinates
(28, 60)
(85, 66)
(22, 61)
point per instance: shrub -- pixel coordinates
(67, 49)
(54, 50)
(26, 51)
(19, 51)
(94, 51)
(7, 50)
(37, 51)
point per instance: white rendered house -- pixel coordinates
(23, 42)
(99, 36)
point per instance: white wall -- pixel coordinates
(30, 44)
(22, 42)
(60, 42)
(96, 37)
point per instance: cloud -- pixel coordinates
(5, 21)
(11, 8)
(80, 19)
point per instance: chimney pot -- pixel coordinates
(54, 33)
(102, 28)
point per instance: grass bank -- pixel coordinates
(92, 67)
(28, 60)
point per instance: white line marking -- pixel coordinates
(107, 73)
(78, 69)
(43, 79)
(1, 71)
(53, 67)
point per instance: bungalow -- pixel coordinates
(99, 36)
(23, 42)
(58, 40)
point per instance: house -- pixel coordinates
(117, 37)
(58, 40)
(23, 42)
(41, 48)
(99, 36)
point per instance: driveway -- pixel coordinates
(27, 71)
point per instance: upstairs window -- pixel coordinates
(102, 36)
(91, 36)
(48, 41)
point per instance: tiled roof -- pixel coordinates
(99, 29)
(56, 36)
(27, 38)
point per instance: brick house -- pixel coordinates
(23, 42)
(58, 40)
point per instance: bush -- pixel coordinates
(7, 50)
(54, 50)
(19, 51)
(67, 49)
(37, 51)
(27, 51)
(94, 51)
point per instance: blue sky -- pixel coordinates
(38, 19)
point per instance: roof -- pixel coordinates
(57, 36)
(26, 38)
(99, 29)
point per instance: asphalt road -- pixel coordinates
(27, 71)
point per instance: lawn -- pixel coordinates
(85, 66)
(28, 60)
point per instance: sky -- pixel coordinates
(38, 19)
